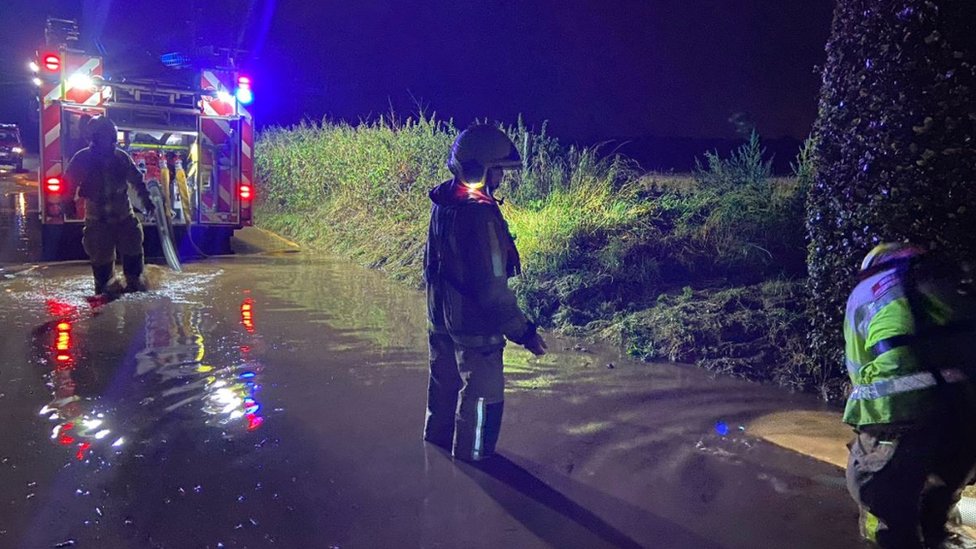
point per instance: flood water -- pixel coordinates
(20, 226)
(278, 401)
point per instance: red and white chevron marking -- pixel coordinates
(218, 133)
(217, 81)
(247, 148)
(51, 133)
(219, 205)
(83, 65)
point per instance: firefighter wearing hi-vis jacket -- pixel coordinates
(101, 174)
(910, 348)
(470, 256)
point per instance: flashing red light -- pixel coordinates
(64, 326)
(243, 81)
(64, 358)
(53, 184)
(52, 62)
(245, 192)
(66, 440)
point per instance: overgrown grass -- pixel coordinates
(700, 269)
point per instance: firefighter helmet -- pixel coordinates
(478, 149)
(889, 251)
(102, 126)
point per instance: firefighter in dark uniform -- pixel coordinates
(470, 256)
(910, 345)
(101, 174)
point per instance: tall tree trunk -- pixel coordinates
(896, 145)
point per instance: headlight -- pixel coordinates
(17, 150)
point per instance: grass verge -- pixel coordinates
(705, 269)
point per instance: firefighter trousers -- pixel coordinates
(908, 483)
(465, 397)
(102, 238)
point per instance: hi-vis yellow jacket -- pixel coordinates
(909, 347)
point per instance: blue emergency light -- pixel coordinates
(176, 60)
(243, 92)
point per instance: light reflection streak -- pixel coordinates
(20, 224)
(174, 367)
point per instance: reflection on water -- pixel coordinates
(389, 317)
(104, 403)
(163, 378)
(247, 315)
(19, 228)
(347, 297)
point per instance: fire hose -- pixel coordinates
(164, 225)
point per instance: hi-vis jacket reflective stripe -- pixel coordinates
(469, 258)
(882, 337)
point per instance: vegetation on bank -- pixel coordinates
(706, 269)
(896, 132)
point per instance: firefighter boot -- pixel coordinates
(102, 273)
(476, 429)
(132, 267)
(439, 423)
(442, 391)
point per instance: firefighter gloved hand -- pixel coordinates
(532, 341)
(536, 345)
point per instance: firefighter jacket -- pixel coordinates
(104, 184)
(470, 256)
(909, 347)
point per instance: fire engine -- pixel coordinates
(193, 136)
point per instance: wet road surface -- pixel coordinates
(19, 224)
(277, 401)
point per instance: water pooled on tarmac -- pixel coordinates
(19, 225)
(277, 401)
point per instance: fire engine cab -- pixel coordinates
(194, 136)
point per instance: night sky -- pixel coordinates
(595, 69)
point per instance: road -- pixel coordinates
(277, 400)
(19, 224)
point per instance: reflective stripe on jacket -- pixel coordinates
(890, 358)
(469, 258)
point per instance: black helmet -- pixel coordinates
(478, 149)
(102, 126)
